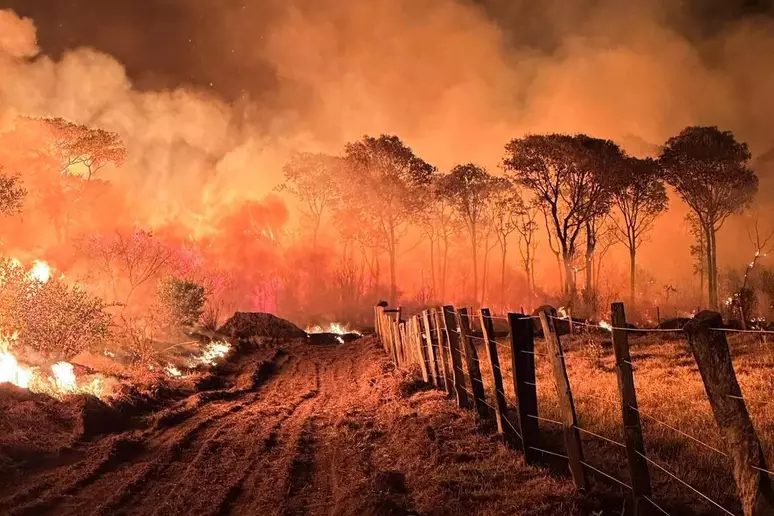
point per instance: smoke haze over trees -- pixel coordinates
(210, 134)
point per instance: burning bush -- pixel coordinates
(60, 321)
(52, 318)
(182, 301)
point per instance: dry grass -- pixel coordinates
(669, 389)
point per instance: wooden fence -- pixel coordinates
(439, 341)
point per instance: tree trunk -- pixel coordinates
(569, 278)
(474, 245)
(502, 277)
(632, 277)
(444, 267)
(589, 293)
(432, 269)
(712, 271)
(393, 276)
(559, 267)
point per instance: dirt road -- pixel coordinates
(295, 430)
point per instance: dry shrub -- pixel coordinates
(52, 318)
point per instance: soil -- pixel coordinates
(298, 429)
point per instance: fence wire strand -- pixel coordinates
(683, 482)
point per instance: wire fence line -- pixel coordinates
(502, 407)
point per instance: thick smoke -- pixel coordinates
(455, 79)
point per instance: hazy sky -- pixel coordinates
(168, 43)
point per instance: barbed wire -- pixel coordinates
(606, 475)
(683, 482)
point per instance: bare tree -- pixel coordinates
(468, 189)
(505, 207)
(384, 178)
(638, 201)
(708, 168)
(314, 179)
(527, 228)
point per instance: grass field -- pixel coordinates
(670, 392)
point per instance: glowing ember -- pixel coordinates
(334, 327)
(173, 371)
(606, 325)
(40, 271)
(213, 352)
(562, 313)
(12, 372)
(64, 376)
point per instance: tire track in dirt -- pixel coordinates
(171, 431)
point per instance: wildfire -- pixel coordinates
(334, 327)
(12, 372)
(40, 271)
(60, 382)
(214, 351)
(64, 376)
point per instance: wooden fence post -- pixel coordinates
(710, 349)
(572, 440)
(456, 358)
(417, 342)
(635, 448)
(501, 407)
(524, 384)
(395, 341)
(432, 363)
(471, 360)
(442, 337)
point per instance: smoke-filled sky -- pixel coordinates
(211, 95)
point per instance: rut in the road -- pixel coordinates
(302, 430)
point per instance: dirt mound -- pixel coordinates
(57, 424)
(249, 325)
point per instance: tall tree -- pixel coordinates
(527, 226)
(385, 175)
(570, 177)
(709, 169)
(314, 180)
(639, 200)
(505, 208)
(468, 189)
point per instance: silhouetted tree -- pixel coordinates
(708, 168)
(571, 178)
(505, 206)
(315, 180)
(527, 226)
(468, 188)
(385, 175)
(90, 148)
(639, 200)
(11, 194)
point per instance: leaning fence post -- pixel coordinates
(572, 440)
(442, 336)
(431, 360)
(456, 358)
(487, 327)
(635, 448)
(710, 349)
(524, 384)
(471, 360)
(419, 349)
